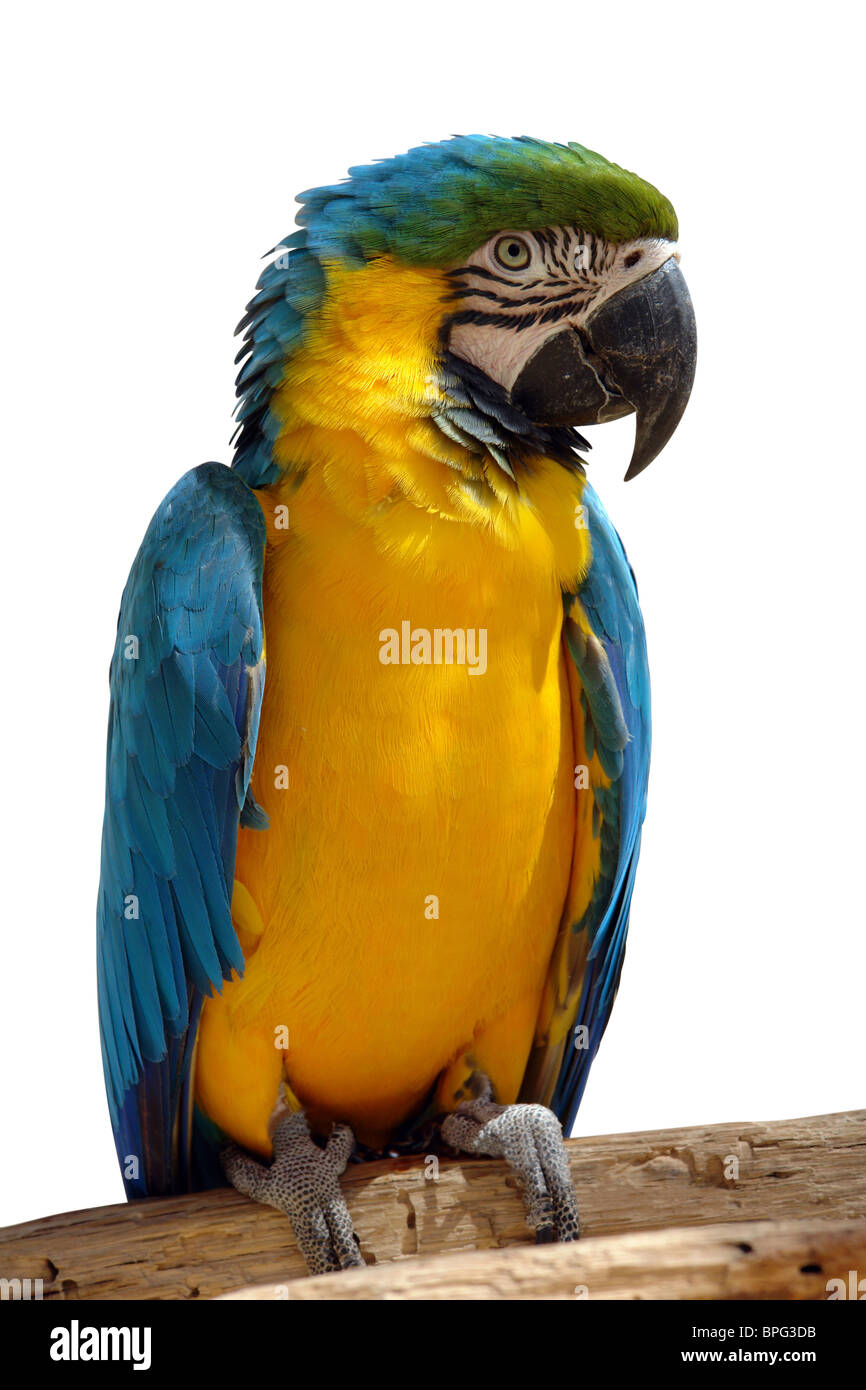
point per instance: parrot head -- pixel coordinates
(523, 289)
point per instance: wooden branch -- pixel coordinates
(214, 1242)
(749, 1259)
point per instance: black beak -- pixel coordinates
(636, 353)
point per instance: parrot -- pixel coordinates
(379, 722)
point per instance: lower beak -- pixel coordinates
(636, 353)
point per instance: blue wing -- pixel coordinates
(186, 681)
(609, 679)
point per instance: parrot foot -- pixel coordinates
(529, 1138)
(303, 1181)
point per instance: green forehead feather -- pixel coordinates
(437, 203)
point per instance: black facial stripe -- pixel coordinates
(560, 263)
(608, 255)
(560, 311)
(550, 238)
(541, 298)
(516, 323)
(470, 292)
(486, 320)
(566, 294)
(485, 275)
(464, 291)
(508, 301)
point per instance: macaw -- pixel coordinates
(382, 894)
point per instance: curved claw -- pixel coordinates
(304, 1182)
(529, 1138)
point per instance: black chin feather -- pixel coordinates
(480, 413)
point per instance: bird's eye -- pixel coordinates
(512, 253)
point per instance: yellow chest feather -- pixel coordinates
(415, 760)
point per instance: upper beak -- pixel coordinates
(636, 353)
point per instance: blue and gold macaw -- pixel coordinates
(388, 886)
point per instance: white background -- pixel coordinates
(155, 153)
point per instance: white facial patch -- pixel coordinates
(520, 288)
